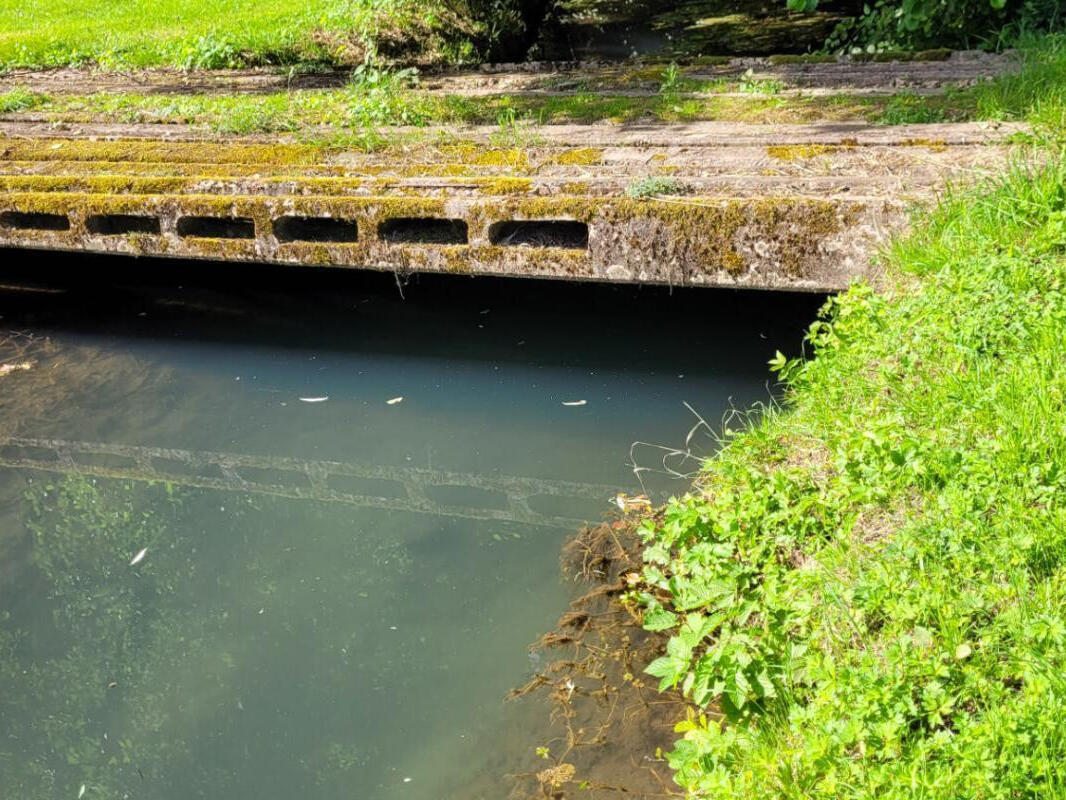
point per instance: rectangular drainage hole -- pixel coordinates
(422, 230)
(217, 227)
(119, 224)
(315, 229)
(541, 233)
(29, 221)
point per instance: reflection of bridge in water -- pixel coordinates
(428, 491)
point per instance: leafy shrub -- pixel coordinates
(870, 588)
(920, 24)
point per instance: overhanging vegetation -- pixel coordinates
(866, 588)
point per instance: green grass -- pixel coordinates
(20, 100)
(372, 106)
(205, 33)
(1037, 94)
(866, 590)
(872, 582)
(376, 98)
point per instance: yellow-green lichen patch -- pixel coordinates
(542, 261)
(167, 169)
(578, 157)
(476, 155)
(97, 184)
(457, 259)
(795, 152)
(797, 227)
(317, 254)
(148, 150)
(576, 187)
(501, 186)
(935, 145)
(705, 235)
(221, 249)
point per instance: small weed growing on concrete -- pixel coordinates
(650, 187)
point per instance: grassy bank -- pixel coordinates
(867, 589)
(227, 33)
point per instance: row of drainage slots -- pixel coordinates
(397, 230)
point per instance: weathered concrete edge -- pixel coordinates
(786, 243)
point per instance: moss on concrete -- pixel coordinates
(934, 54)
(576, 187)
(795, 152)
(579, 156)
(801, 58)
(148, 150)
(498, 186)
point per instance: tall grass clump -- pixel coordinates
(1036, 93)
(866, 591)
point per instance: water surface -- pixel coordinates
(334, 596)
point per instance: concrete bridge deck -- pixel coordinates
(707, 203)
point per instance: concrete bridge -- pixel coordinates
(711, 203)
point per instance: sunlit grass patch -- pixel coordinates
(214, 34)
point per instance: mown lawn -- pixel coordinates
(199, 33)
(866, 591)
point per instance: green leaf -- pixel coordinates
(659, 619)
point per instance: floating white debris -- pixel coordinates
(139, 557)
(314, 399)
(406, 780)
(81, 792)
(394, 401)
(574, 402)
(6, 369)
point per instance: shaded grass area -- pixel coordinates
(1036, 94)
(381, 98)
(298, 110)
(868, 587)
(212, 33)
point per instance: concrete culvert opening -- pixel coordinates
(30, 221)
(217, 227)
(541, 233)
(422, 230)
(315, 229)
(119, 224)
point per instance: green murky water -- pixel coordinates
(334, 596)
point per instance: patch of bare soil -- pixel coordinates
(608, 727)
